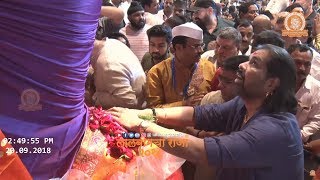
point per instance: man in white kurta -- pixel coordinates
(118, 75)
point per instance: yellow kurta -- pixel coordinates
(159, 88)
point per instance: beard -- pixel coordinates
(198, 57)
(158, 56)
(202, 22)
(138, 25)
(168, 10)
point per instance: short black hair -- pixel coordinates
(244, 8)
(232, 63)
(180, 3)
(179, 40)
(292, 6)
(281, 65)
(116, 35)
(232, 9)
(160, 31)
(300, 48)
(145, 2)
(244, 23)
(315, 2)
(106, 3)
(268, 37)
(267, 13)
(175, 20)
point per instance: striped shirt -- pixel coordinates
(138, 40)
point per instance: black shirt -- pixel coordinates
(221, 23)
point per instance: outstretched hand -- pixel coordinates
(128, 118)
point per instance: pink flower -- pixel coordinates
(106, 119)
(100, 119)
(93, 127)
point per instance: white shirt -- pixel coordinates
(118, 76)
(315, 65)
(209, 55)
(308, 111)
(162, 16)
(276, 6)
(125, 6)
(248, 51)
(153, 19)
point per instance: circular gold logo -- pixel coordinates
(295, 22)
(30, 99)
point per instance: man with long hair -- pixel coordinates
(262, 139)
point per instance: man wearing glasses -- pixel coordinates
(183, 79)
(227, 86)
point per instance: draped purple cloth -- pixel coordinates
(45, 46)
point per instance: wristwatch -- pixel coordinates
(144, 125)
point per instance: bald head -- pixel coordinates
(261, 23)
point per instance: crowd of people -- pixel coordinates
(222, 72)
(191, 57)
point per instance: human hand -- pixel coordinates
(194, 100)
(317, 174)
(192, 131)
(211, 45)
(313, 146)
(128, 118)
(316, 26)
(144, 112)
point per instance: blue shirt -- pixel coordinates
(268, 147)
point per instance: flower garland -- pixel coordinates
(99, 119)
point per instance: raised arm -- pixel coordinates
(113, 13)
(248, 148)
(175, 116)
